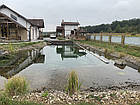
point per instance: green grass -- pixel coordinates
(13, 47)
(7, 101)
(125, 49)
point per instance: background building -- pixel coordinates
(67, 28)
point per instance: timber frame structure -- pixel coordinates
(14, 26)
(9, 29)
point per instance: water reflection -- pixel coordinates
(18, 62)
(70, 51)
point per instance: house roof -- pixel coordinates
(1, 14)
(37, 22)
(4, 6)
(70, 23)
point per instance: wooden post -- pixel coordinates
(110, 38)
(7, 31)
(123, 39)
(101, 36)
(0, 31)
(17, 32)
(3, 30)
(94, 37)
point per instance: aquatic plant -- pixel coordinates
(73, 83)
(16, 86)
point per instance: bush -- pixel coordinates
(73, 83)
(16, 86)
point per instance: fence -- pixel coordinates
(109, 35)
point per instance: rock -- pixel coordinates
(120, 62)
(57, 97)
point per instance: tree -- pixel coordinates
(118, 29)
(109, 30)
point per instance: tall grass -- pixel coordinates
(16, 86)
(11, 48)
(73, 83)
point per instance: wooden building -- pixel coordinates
(14, 26)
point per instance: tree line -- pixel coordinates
(125, 26)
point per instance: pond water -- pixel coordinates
(117, 39)
(54, 63)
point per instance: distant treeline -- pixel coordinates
(125, 26)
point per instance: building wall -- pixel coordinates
(23, 34)
(68, 29)
(34, 33)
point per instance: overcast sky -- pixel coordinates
(87, 12)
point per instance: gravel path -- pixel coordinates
(54, 97)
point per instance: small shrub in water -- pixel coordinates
(16, 86)
(73, 83)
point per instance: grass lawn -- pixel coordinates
(126, 49)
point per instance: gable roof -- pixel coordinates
(12, 20)
(4, 6)
(37, 22)
(70, 23)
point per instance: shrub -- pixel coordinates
(73, 83)
(16, 86)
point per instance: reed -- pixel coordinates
(73, 83)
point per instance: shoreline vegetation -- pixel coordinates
(115, 47)
(14, 47)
